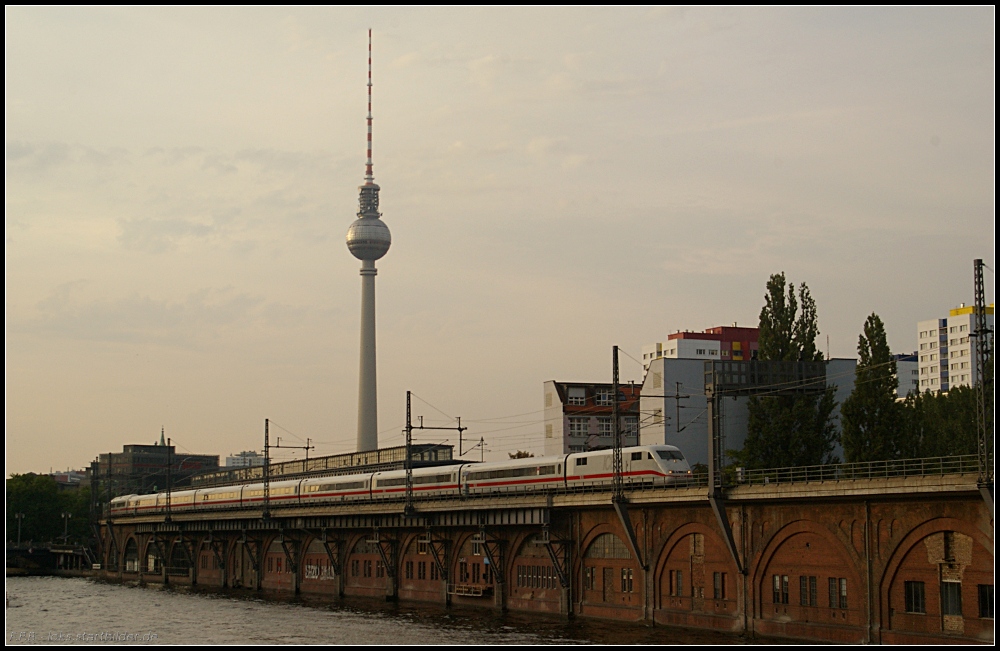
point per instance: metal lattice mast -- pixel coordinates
(983, 338)
(617, 467)
(170, 462)
(267, 470)
(409, 455)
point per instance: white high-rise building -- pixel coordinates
(946, 349)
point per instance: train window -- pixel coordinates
(667, 455)
(637, 456)
(582, 461)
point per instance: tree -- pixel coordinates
(939, 424)
(789, 430)
(870, 416)
(520, 454)
(42, 503)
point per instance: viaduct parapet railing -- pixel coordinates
(958, 465)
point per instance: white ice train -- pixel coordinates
(644, 464)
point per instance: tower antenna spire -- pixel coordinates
(369, 176)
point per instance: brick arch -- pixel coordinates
(785, 534)
(616, 587)
(592, 535)
(533, 577)
(354, 577)
(456, 553)
(144, 556)
(112, 549)
(407, 540)
(131, 538)
(202, 546)
(170, 548)
(674, 539)
(887, 580)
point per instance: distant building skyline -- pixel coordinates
(722, 343)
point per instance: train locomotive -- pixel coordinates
(655, 465)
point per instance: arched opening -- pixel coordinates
(534, 578)
(366, 572)
(697, 574)
(131, 556)
(941, 584)
(421, 577)
(473, 574)
(316, 563)
(610, 575)
(179, 564)
(154, 559)
(113, 554)
(810, 577)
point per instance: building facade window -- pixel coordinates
(780, 585)
(838, 593)
(951, 598)
(914, 597)
(676, 583)
(719, 585)
(986, 601)
(579, 426)
(807, 591)
(627, 579)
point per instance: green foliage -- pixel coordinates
(940, 424)
(42, 503)
(785, 430)
(520, 454)
(870, 416)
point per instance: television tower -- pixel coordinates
(368, 240)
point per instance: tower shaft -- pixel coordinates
(367, 385)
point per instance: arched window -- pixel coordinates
(608, 545)
(131, 556)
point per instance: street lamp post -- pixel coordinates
(19, 516)
(66, 517)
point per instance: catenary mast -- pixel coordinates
(368, 240)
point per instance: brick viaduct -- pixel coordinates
(891, 560)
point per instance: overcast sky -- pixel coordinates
(179, 183)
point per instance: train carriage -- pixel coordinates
(646, 464)
(426, 482)
(517, 475)
(336, 489)
(220, 497)
(280, 493)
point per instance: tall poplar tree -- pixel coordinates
(870, 416)
(789, 430)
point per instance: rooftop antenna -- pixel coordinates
(369, 175)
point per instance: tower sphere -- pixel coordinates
(368, 238)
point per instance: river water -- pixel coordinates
(47, 610)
